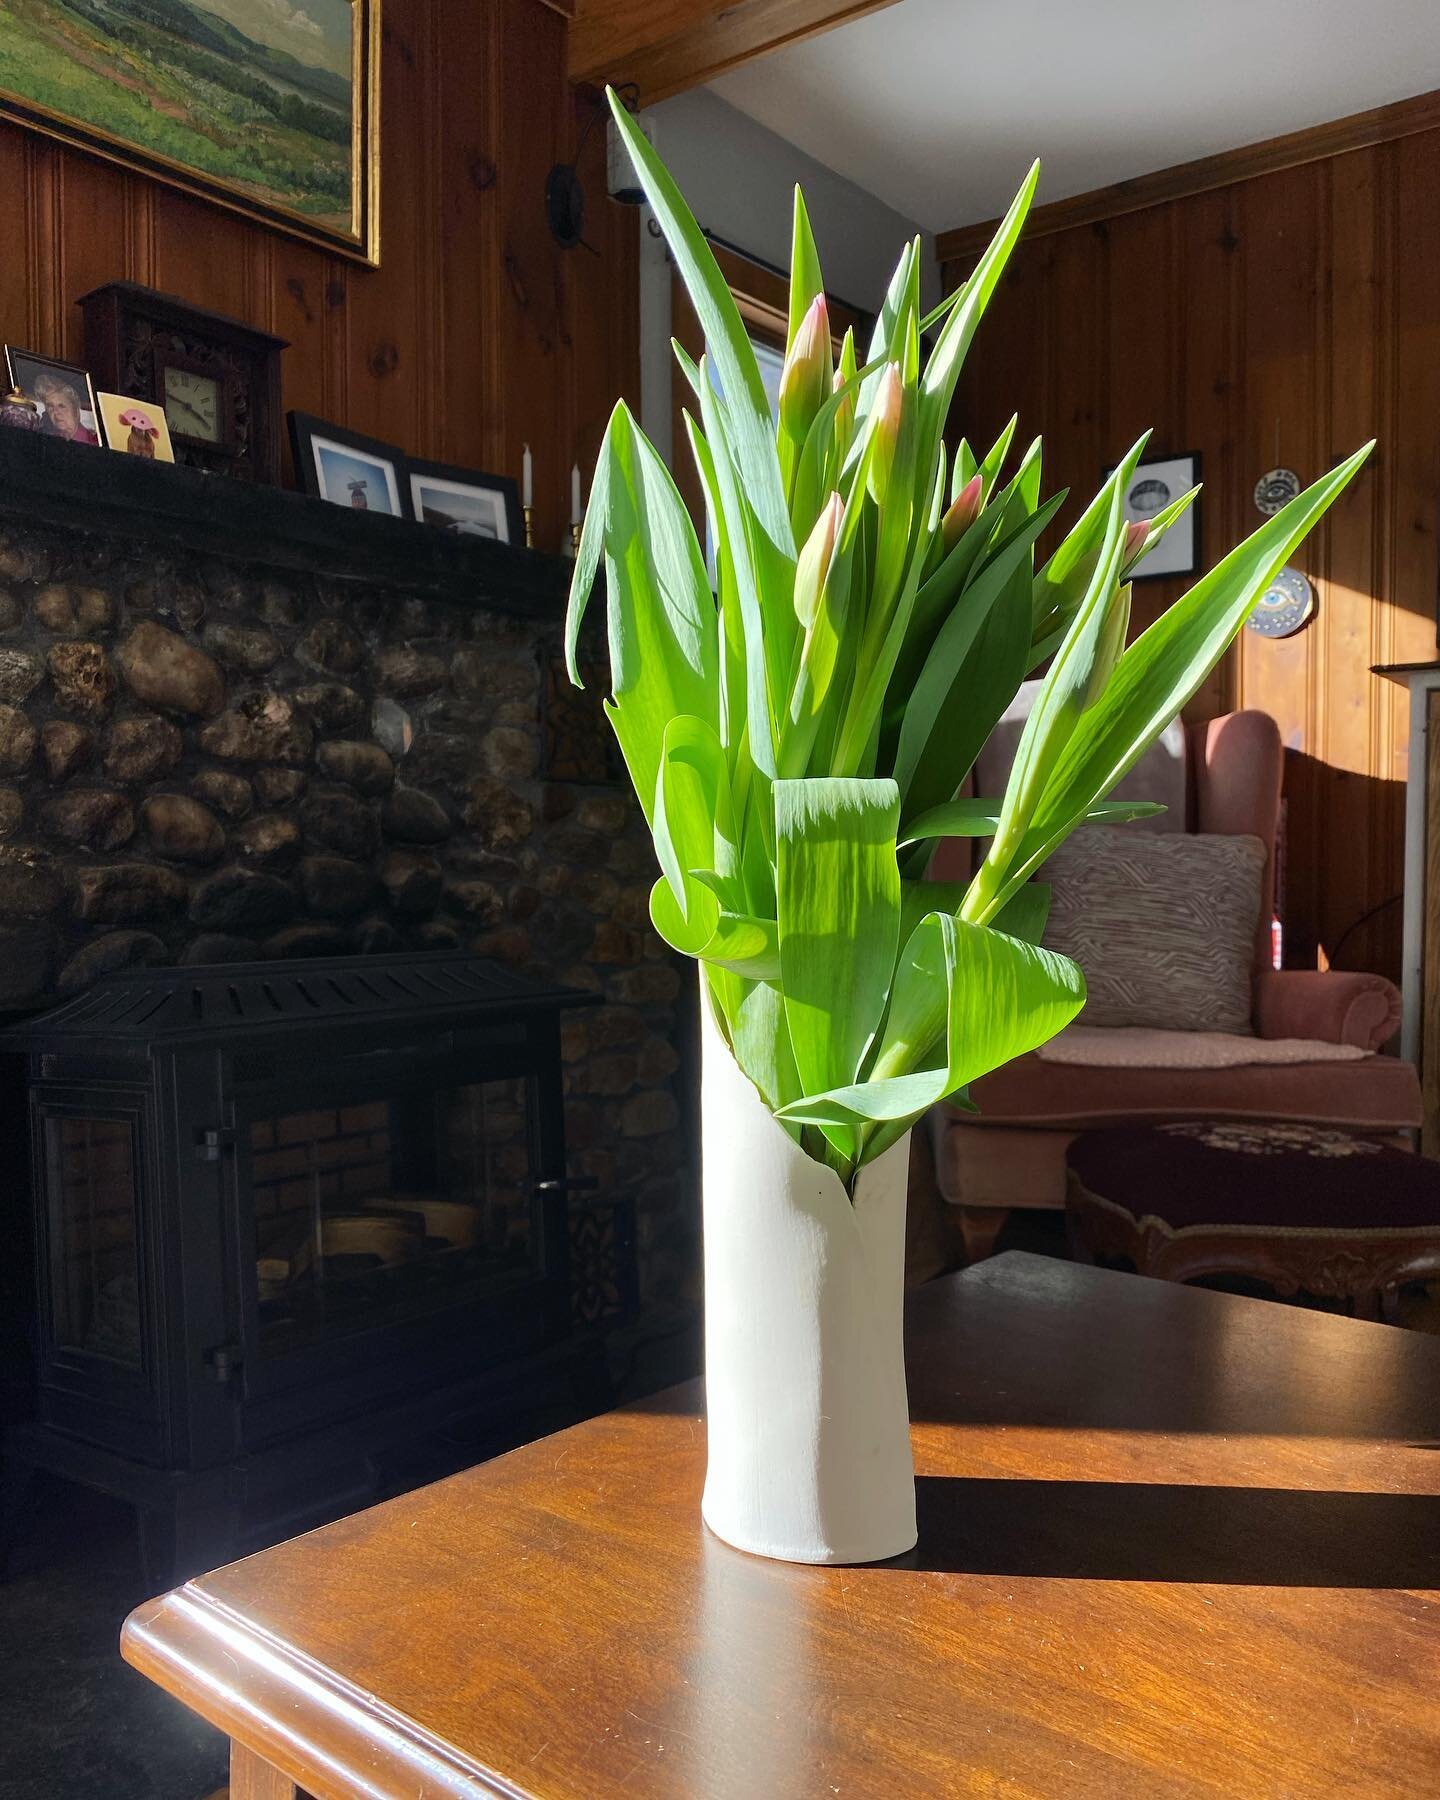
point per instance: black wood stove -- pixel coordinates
(288, 1217)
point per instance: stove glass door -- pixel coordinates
(389, 1208)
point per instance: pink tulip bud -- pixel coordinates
(1135, 536)
(805, 378)
(1108, 646)
(845, 411)
(813, 564)
(962, 512)
(885, 423)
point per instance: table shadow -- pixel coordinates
(1124, 1531)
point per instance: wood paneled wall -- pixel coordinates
(1281, 319)
(476, 334)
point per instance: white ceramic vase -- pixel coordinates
(808, 1420)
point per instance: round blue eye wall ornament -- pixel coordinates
(1286, 605)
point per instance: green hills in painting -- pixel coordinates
(176, 79)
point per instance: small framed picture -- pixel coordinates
(136, 427)
(465, 502)
(60, 390)
(339, 465)
(1156, 483)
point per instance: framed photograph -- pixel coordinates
(61, 391)
(1156, 483)
(465, 502)
(136, 427)
(338, 465)
(271, 110)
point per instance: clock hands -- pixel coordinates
(174, 405)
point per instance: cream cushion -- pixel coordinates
(1141, 1047)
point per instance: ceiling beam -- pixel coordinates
(1360, 131)
(665, 46)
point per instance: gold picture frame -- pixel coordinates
(357, 238)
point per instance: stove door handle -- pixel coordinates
(212, 1141)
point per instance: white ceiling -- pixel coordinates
(938, 106)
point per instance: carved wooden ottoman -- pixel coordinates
(1295, 1206)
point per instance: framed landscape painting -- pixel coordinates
(270, 107)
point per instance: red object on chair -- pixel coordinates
(1012, 1153)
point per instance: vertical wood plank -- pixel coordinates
(1006, 370)
(17, 275)
(386, 368)
(201, 252)
(1076, 419)
(468, 241)
(298, 309)
(45, 250)
(339, 354)
(139, 247)
(92, 199)
(601, 292)
(534, 132)
(1208, 262)
(436, 393)
(1144, 339)
(1281, 281)
(1349, 597)
(1430, 949)
(253, 1779)
(1412, 453)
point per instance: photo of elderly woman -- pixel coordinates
(60, 390)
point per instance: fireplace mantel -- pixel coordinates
(48, 481)
(238, 725)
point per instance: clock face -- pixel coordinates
(192, 404)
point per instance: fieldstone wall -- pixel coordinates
(207, 760)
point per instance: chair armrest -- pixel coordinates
(1329, 1006)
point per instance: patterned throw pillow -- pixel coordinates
(1163, 926)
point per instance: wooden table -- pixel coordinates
(1171, 1543)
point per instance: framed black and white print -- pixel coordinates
(465, 502)
(1156, 484)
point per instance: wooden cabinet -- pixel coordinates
(1420, 960)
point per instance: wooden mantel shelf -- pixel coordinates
(78, 487)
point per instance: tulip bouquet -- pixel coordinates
(798, 738)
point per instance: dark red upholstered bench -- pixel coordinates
(1295, 1206)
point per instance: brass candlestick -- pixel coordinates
(529, 512)
(575, 537)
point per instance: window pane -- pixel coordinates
(771, 363)
(95, 1269)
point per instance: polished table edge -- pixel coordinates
(249, 1685)
(267, 1696)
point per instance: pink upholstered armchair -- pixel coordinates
(1223, 776)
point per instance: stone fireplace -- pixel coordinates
(236, 724)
